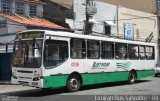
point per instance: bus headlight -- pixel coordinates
(36, 78)
(15, 77)
(157, 71)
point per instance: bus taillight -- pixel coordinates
(35, 83)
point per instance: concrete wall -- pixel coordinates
(141, 5)
(57, 11)
(13, 27)
(3, 30)
(142, 26)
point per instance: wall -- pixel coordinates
(3, 30)
(57, 11)
(141, 5)
(67, 2)
(142, 26)
(5, 66)
(13, 27)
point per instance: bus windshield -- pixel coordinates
(27, 53)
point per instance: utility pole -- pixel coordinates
(87, 4)
(87, 18)
(90, 11)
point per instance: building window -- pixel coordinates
(107, 30)
(78, 48)
(33, 10)
(3, 23)
(6, 6)
(19, 8)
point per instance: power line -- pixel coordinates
(126, 19)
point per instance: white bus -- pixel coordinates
(50, 59)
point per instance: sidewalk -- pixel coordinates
(6, 87)
(5, 82)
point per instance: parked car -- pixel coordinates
(157, 71)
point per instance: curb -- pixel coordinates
(5, 83)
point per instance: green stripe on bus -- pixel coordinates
(145, 73)
(94, 78)
(113, 76)
(55, 81)
(104, 77)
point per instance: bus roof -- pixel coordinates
(90, 37)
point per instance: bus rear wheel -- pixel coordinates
(132, 77)
(73, 83)
(156, 75)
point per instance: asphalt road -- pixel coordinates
(147, 86)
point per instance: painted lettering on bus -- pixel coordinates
(100, 65)
(75, 64)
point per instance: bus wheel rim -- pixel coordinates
(132, 78)
(73, 83)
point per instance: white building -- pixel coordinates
(143, 24)
(104, 19)
(112, 20)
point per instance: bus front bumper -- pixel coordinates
(37, 84)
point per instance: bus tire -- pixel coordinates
(132, 77)
(73, 83)
(156, 75)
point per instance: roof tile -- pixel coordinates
(34, 21)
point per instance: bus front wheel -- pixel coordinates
(132, 77)
(73, 83)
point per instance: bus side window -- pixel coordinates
(55, 53)
(93, 49)
(142, 52)
(149, 53)
(78, 48)
(121, 51)
(107, 50)
(133, 51)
